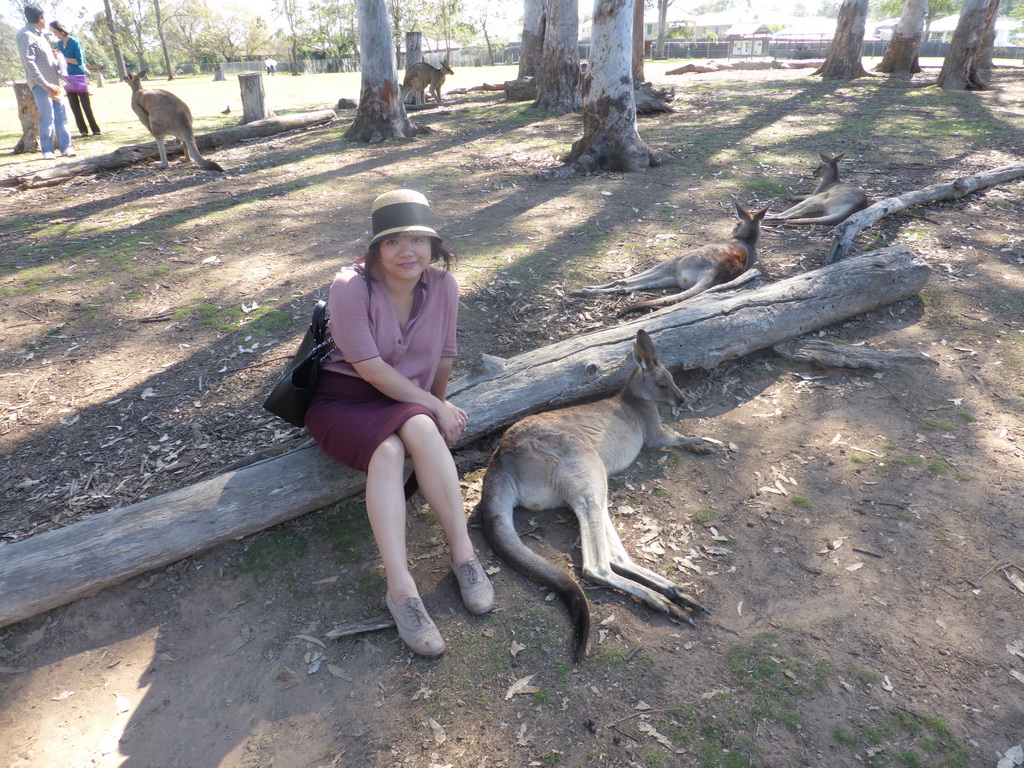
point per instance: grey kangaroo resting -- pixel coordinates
(422, 76)
(831, 202)
(563, 458)
(694, 271)
(164, 113)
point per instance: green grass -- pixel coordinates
(272, 556)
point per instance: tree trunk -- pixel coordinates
(843, 60)
(28, 113)
(847, 231)
(960, 67)
(413, 48)
(659, 51)
(254, 98)
(163, 40)
(381, 114)
(59, 566)
(126, 156)
(532, 48)
(901, 56)
(988, 47)
(521, 90)
(558, 74)
(638, 42)
(218, 73)
(610, 140)
(122, 71)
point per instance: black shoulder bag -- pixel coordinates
(294, 392)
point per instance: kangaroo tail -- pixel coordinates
(202, 162)
(501, 533)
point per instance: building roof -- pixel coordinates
(748, 30)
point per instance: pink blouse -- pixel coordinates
(363, 325)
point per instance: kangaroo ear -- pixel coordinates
(758, 215)
(742, 212)
(837, 158)
(825, 157)
(643, 350)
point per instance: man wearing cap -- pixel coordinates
(43, 75)
(381, 398)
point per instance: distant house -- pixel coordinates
(941, 30)
(801, 29)
(750, 39)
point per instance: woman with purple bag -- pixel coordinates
(76, 82)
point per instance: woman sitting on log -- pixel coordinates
(381, 398)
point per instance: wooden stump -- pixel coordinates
(28, 113)
(218, 74)
(254, 99)
(524, 89)
(99, 79)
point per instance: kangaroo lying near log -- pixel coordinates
(421, 76)
(563, 458)
(164, 113)
(694, 271)
(831, 202)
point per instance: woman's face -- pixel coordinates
(405, 257)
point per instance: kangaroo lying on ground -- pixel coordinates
(421, 76)
(694, 271)
(164, 113)
(563, 458)
(831, 202)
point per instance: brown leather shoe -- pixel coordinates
(477, 592)
(415, 627)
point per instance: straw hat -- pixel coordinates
(401, 212)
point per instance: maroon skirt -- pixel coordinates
(349, 418)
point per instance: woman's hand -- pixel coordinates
(451, 422)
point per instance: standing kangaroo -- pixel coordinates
(694, 271)
(831, 202)
(421, 76)
(164, 113)
(563, 458)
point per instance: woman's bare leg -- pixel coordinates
(385, 507)
(439, 482)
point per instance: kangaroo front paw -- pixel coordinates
(695, 445)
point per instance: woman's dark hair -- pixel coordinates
(58, 27)
(438, 252)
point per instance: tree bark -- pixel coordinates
(610, 140)
(901, 57)
(59, 566)
(638, 42)
(125, 156)
(163, 40)
(122, 71)
(843, 60)
(28, 113)
(846, 231)
(521, 90)
(960, 70)
(254, 98)
(381, 113)
(659, 44)
(558, 74)
(532, 47)
(413, 48)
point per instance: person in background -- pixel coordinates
(270, 65)
(76, 80)
(381, 398)
(43, 75)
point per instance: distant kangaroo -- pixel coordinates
(694, 271)
(831, 202)
(421, 76)
(164, 113)
(563, 458)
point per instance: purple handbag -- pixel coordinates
(76, 84)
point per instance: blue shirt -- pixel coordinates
(73, 49)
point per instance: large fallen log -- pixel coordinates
(122, 157)
(846, 232)
(59, 566)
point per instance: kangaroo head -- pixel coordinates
(135, 80)
(828, 165)
(650, 380)
(446, 67)
(749, 222)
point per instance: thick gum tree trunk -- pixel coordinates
(843, 61)
(610, 140)
(381, 114)
(534, 23)
(960, 68)
(901, 57)
(558, 74)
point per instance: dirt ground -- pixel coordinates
(859, 543)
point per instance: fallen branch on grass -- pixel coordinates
(847, 231)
